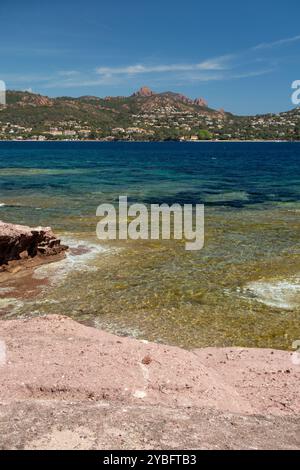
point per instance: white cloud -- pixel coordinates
(253, 73)
(278, 43)
(68, 73)
(219, 63)
(226, 75)
(79, 81)
(240, 65)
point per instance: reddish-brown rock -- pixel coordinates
(183, 98)
(31, 99)
(201, 102)
(20, 242)
(67, 386)
(144, 91)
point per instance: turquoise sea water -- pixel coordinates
(243, 288)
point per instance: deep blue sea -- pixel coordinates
(79, 176)
(243, 288)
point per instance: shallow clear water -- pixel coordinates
(242, 289)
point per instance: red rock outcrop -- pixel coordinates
(184, 98)
(144, 91)
(19, 242)
(201, 102)
(31, 99)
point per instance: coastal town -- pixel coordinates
(144, 116)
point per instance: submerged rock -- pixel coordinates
(19, 242)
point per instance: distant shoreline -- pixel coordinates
(152, 141)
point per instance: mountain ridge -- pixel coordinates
(144, 115)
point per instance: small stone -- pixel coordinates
(146, 360)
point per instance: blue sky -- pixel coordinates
(241, 57)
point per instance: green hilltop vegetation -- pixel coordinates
(145, 116)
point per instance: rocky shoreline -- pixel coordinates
(24, 247)
(68, 386)
(57, 367)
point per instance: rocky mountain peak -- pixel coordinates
(144, 91)
(201, 102)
